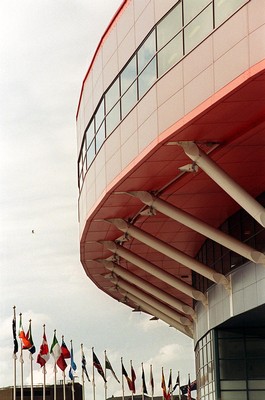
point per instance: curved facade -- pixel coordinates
(171, 174)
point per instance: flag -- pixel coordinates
(133, 377)
(65, 353)
(152, 380)
(124, 372)
(189, 391)
(44, 354)
(143, 381)
(184, 388)
(55, 348)
(24, 340)
(14, 329)
(32, 348)
(64, 350)
(72, 364)
(108, 366)
(84, 365)
(169, 385)
(176, 384)
(57, 353)
(163, 386)
(97, 365)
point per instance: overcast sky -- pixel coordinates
(45, 50)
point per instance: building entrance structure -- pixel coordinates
(171, 175)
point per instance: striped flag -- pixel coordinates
(108, 366)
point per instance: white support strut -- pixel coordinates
(170, 251)
(241, 196)
(200, 226)
(155, 271)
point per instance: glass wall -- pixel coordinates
(186, 25)
(204, 359)
(230, 364)
(241, 363)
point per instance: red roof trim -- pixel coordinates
(118, 12)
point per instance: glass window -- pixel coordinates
(193, 8)
(100, 137)
(169, 26)
(80, 170)
(234, 395)
(99, 115)
(91, 153)
(232, 369)
(256, 395)
(84, 156)
(147, 78)
(256, 368)
(113, 119)
(258, 384)
(129, 100)
(198, 29)
(232, 348)
(128, 75)
(112, 95)
(224, 8)
(90, 134)
(232, 385)
(170, 54)
(146, 51)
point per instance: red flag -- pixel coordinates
(166, 395)
(44, 354)
(61, 362)
(124, 372)
(133, 375)
(64, 350)
(26, 344)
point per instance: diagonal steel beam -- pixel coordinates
(169, 251)
(222, 179)
(200, 226)
(144, 285)
(155, 271)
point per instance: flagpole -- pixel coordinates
(15, 376)
(105, 376)
(73, 380)
(142, 382)
(131, 377)
(31, 368)
(44, 382)
(170, 385)
(44, 372)
(55, 371)
(64, 394)
(189, 391)
(21, 362)
(179, 386)
(122, 382)
(83, 374)
(93, 377)
(14, 329)
(152, 381)
(162, 382)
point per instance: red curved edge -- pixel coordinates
(118, 12)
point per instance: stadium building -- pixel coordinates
(171, 175)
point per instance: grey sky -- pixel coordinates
(45, 50)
